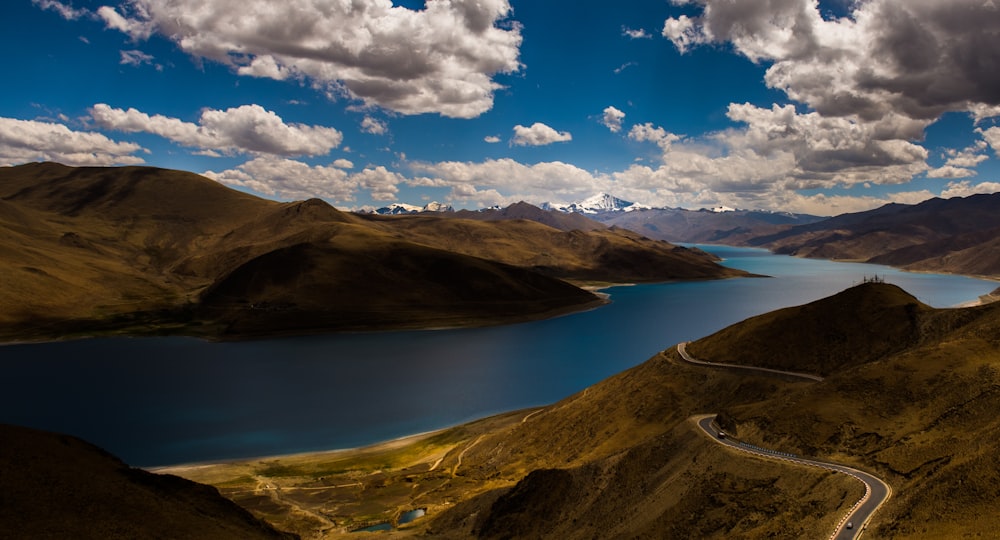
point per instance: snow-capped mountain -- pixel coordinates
(600, 203)
(403, 208)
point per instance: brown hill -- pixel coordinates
(610, 255)
(56, 486)
(954, 235)
(308, 287)
(134, 249)
(622, 459)
(857, 326)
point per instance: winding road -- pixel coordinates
(876, 491)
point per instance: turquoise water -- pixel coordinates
(159, 401)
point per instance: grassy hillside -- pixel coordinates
(909, 395)
(145, 250)
(55, 486)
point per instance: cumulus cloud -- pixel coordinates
(960, 163)
(380, 182)
(992, 137)
(654, 134)
(441, 59)
(538, 134)
(966, 188)
(612, 119)
(244, 129)
(288, 179)
(22, 141)
(492, 139)
(916, 58)
(374, 126)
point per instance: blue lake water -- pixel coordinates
(158, 401)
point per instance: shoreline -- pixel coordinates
(388, 444)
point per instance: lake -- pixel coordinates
(161, 401)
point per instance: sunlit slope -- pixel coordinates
(919, 412)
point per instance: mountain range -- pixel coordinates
(143, 250)
(958, 235)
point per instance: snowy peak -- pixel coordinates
(395, 209)
(597, 204)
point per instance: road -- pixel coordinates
(682, 349)
(876, 491)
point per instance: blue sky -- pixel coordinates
(818, 107)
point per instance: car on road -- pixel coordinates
(850, 525)
(722, 434)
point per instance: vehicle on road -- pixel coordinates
(722, 434)
(850, 525)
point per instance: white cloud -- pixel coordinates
(538, 182)
(966, 188)
(538, 134)
(915, 58)
(288, 179)
(136, 28)
(624, 66)
(960, 163)
(343, 163)
(492, 139)
(380, 182)
(138, 58)
(440, 59)
(635, 33)
(23, 141)
(374, 126)
(992, 137)
(66, 11)
(657, 135)
(244, 129)
(612, 119)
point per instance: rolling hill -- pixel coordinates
(140, 250)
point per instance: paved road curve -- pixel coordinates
(876, 491)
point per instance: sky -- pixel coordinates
(819, 107)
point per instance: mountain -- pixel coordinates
(957, 235)
(600, 203)
(910, 394)
(141, 250)
(521, 210)
(719, 225)
(56, 486)
(716, 226)
(398, 208)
